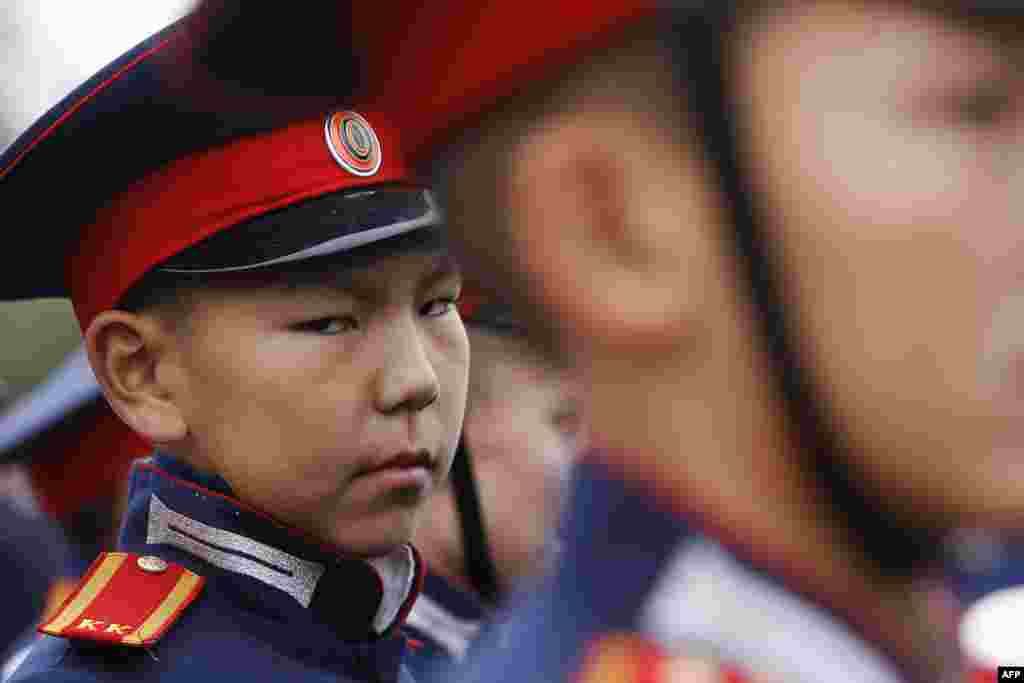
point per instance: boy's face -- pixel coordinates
(334, 405)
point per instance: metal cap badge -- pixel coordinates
(353, 143)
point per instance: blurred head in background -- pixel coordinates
(520, 431)
(73, 455)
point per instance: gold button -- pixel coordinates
(151, 564)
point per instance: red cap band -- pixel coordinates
(83, 459)
(201, 194)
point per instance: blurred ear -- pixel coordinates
(132, 358)
(613, 221)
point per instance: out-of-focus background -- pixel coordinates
(47, 48)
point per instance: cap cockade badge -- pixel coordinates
(353, 143)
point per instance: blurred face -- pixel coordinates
(334, 405)
(889, 145)
(521, 424)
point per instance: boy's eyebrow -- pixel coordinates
(345, 283)
(443, 266)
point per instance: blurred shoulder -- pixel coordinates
(57, 676)
(45, 662)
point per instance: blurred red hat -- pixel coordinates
(76, 450)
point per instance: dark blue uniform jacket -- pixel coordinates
(275, 607)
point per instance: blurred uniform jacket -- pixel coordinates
(639, 592)
(65, 414)
(243, 598)
(32, 553)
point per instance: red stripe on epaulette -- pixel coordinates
(982, 676)
(632, 658)
(120, 602)
(731, 675)
(623, 658)
(649, 663)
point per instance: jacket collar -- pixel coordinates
(446, 615)
(192, 518)
(701, 594)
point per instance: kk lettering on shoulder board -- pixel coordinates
(123, 600)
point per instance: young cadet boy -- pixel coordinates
(276, 314)
(493, 527)
(782, 242)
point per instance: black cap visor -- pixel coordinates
(324, 226)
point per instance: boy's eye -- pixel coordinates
(985, 106)
(439, 307)
(984, 109)
(328, 326)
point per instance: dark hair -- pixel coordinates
(160, 290)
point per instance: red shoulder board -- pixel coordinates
(125, 599)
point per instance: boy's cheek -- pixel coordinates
(364, 530)
(302, 505)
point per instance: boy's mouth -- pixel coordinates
(412, 472)
(405, 460)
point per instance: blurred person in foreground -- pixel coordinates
(782, 244)
(275, 311)
(32, 549)
(75, 455)
(32, 553)
(492, 529)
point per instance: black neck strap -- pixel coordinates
(480, 567)
(896, 546)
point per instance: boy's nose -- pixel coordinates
(407, 380)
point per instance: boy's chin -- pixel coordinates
(377, 536)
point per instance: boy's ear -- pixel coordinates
(612, 222)
(131, 356)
